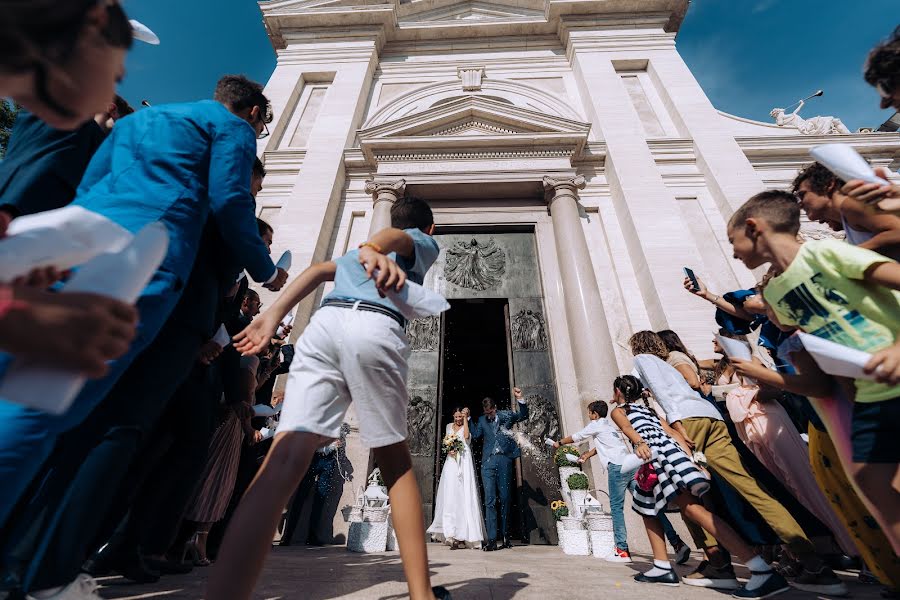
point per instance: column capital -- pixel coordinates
(555, 187)
(386, 191)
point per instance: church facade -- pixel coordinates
(574, 166)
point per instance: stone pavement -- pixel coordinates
(523, 573)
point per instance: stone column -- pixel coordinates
(592, 349)
(383, 197)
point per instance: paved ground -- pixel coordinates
(527, 572)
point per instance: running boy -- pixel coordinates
(848, 295)
(354, 349)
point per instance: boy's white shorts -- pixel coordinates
(345, 356)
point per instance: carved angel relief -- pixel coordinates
(475, 265)
(528, 331)
(424, 334)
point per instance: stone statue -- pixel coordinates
(474, 265)
(420, 419)
(813, 126)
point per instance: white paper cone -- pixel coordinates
(415, 301)
(549, 442)
(572, 458)
(845, 162)
(285, 322)
(835, 359)
(222, 338)
(61, 238)
(631, 462)
(121, 276)
(734, 348)
(285, 261)
(264, 410)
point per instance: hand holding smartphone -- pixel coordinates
(690, 275)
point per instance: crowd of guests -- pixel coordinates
(766, 455)
(161, 444)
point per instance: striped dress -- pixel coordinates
(675, 470)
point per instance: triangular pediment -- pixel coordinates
(473, 11)
(300, 6)
(474, 122)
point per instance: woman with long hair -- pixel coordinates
(457, 510)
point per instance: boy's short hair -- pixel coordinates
(488, 403)
(411, 213)
(258, 168)
(239, 93)
(598, 407)
(263, 227)
(883, 64)
(819, 179)
(778, 208)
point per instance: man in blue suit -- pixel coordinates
(498, 453)
(182, 165)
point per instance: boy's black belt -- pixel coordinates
(368, 307)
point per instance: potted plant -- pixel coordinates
(578, 492)
(573, 537)
(566, 467)
(560, 510)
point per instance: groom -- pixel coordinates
(500, 450)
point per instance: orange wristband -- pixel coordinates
(373, 246)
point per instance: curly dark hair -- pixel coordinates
(883, 64)
(821, 180)
(239, 93)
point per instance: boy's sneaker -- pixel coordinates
(682, 552)
(774, 585)
(619, 556)
(707, 576)
(441, 593)
(823, 582)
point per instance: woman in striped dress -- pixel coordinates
(678, 484)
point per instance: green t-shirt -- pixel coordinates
(823, 293)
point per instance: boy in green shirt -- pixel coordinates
(847, 295)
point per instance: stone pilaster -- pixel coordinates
(592, 349)
(384, 194)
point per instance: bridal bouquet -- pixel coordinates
(452, 443)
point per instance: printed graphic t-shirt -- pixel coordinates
(823, 293)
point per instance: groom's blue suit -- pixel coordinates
(499, 452)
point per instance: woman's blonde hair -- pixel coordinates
(648, 342)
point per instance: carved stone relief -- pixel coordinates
(528, 331)
(424, 334)
(420, 418)
(475, 265)
(543, 423)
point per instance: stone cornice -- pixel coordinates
(440, 19)
(771, 146)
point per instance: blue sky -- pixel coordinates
(749, 55)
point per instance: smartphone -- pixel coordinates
(690, 275)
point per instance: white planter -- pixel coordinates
(572, 524)
(578, 497)
(392, 544)
(368, 537)
(600, 529)
(564, 473)
(575, 542)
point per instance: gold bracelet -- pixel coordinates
(373, 246)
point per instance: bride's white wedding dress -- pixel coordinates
(457, 512)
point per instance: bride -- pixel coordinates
(457, 514)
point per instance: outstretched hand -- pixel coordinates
(386, 273)
(256, 337)
(885, 197)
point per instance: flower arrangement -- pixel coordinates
(560, 456)
(577, 481)
(452, 444)
(559, 509)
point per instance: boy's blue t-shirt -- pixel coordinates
(351, 282)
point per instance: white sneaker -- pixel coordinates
(83, 588)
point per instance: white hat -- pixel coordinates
(144, 33)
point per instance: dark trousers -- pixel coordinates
(319, 481)
(91, 462)
(496, 475)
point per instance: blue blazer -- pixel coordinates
(495, 438)
(181, 164)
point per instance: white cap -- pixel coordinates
(144, 33)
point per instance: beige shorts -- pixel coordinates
(345, 356)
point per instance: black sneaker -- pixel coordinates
(707, 576)
(441, 593)
(772, 586)
(669, 578)
(682, 552)
(823, 582)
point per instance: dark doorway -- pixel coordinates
(475, 364)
